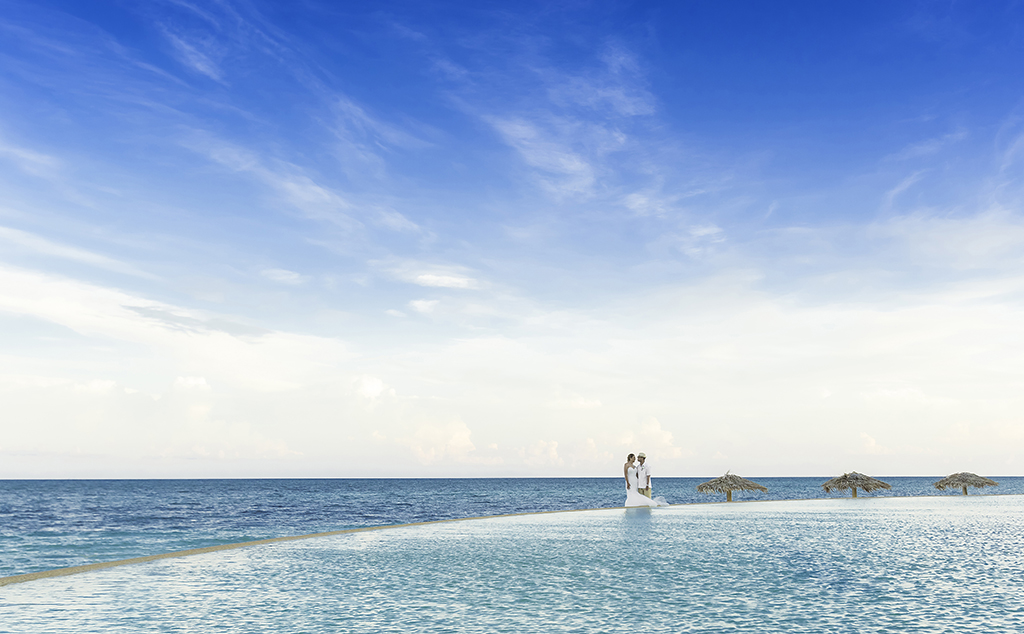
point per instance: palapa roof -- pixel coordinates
(730, 482)
(854, 480)
(964, 479)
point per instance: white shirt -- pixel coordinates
(643, 471)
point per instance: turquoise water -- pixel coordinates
(47, 524)
(935, 564)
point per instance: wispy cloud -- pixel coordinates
(563, 123)
(700, 240)
(653, 202)
(990, 240)
(284, 276)
(29, 161)
(424, 306)
(1012, 151)
(305, 193)
(190, 55)
(224, 31)
(562, 171)
(230, 351)
(395, 220)
(176, 318)
(364, 141)
(37, 244)
(444, 281)
(928, 147)
(356, 122)
(201, 12)
(616, 88)
(436, 276)
(450, 69)
(901, 187)
(312, 199)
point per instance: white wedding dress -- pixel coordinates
(635, 498)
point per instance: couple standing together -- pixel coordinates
(638, 482)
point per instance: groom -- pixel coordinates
(643, 475)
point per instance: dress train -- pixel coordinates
(635, 498)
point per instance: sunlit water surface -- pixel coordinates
(939, 564)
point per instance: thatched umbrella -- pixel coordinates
(963, 480)
(729, 483)
(854, 480)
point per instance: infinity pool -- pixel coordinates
(947, 564)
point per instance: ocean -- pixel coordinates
(46, 524)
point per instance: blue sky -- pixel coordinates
(251, 239)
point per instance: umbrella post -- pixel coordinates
(965, 489)
(854, 491)
(728, 496)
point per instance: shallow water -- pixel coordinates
(938, 564)
(47, 524)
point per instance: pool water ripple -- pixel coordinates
(868, 565)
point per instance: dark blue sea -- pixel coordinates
(47, 524)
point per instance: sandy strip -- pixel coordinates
(74, 570)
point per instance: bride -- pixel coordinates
(633, 495)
